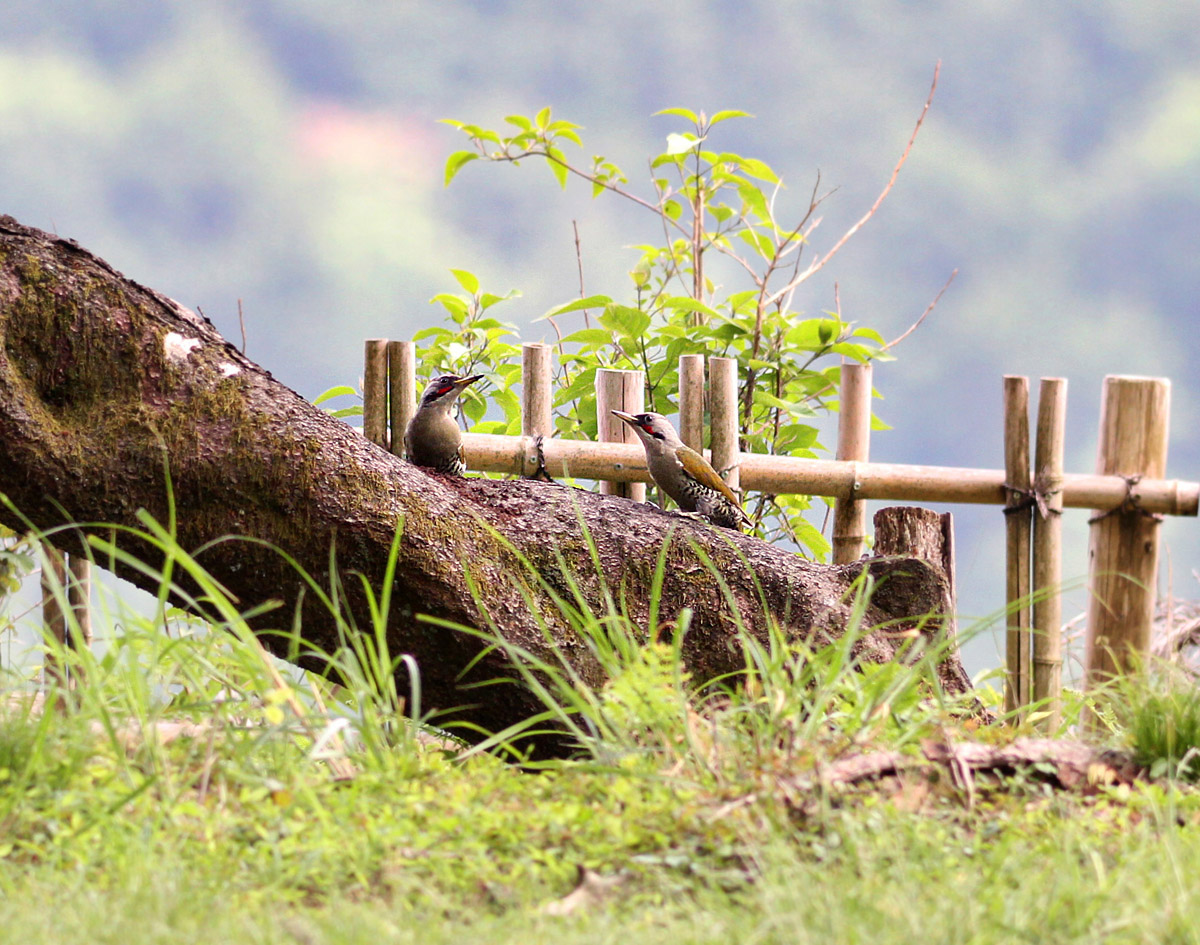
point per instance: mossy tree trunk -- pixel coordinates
(104, 383)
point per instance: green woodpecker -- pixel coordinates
(684, 474)
(433, 438)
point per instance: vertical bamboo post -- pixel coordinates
(54, 615)
(536, 390)
(723, 409)
(79, 594)
(402, 389)
(853, 445)
(691, 400)
(1017, 526)
(1123, 546)
(1047, 547)
(537, 387)
(619, 390)
(375, 415)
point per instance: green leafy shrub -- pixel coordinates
(715, 208)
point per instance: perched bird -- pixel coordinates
(433, 438)
(684, 474)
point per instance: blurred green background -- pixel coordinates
(286, 153)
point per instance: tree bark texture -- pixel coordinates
(104, 383)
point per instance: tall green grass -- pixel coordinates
(194, 784)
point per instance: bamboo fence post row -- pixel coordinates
(1033, 503)
(619, 390)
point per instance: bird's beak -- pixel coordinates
(466, 381)
(627, 417)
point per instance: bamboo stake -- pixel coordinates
(618, 390)
(375, 415)
(1123, 546)
(1018, 527)
(537, 388)
(853, 445)
(691, 400)
(1047, 548)
(723, 410)
(79, 593)
(620, 462)
(402, 389)
(54, 615)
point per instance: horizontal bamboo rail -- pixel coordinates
(626, 462)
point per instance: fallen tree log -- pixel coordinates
(102, 380)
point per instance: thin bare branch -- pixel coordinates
(928, 308)
(579, 263)
(817, 264)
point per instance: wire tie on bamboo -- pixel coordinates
(538, 461)
(1130, 504)
(1037, 497)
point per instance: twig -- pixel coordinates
(579, 263)
(928, 308)
(242, 323)
(819, 263)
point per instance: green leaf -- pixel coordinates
(592, 301)
(355, 411)
(589, 336)
(627, 321)
(466, 279)
(474, 408)
(681, 112)
(452, 303)
(759, 242)
(753, 167)
(455, 163)
(755, 201)
(519, 121)
(765, 399)
(488, 299)
(685, 304)
(681, 144)
(727, 114)
(490, 426)
(565, 133)
(508, 402)
(860, 353)
(342, 391)
(543, 118)
(435, 331)
(558, 165)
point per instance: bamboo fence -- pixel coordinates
(1127, 493)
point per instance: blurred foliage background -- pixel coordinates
(286, 153)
